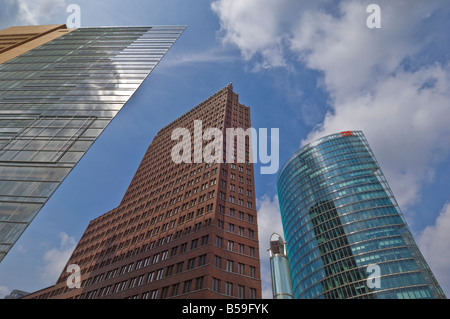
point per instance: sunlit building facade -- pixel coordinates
(346, 236)
(183, 230)
(59, 89)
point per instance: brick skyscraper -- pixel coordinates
(185, 230)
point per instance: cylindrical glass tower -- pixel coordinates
(279, 268)
(346, 236)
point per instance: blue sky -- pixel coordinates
(309, 68)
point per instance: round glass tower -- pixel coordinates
(346, 236)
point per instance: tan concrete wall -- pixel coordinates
(28, 38)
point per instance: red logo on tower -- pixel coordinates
(347, 133)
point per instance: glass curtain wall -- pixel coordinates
(55, 100)
(346, 236)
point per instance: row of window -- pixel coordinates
(236, 230)
(159, 229)
(97, 227)
(305, 253)
(131, 241)
(153, 294)
(150, 178)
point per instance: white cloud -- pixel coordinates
(4, 291)
(30, 12)
(55, 259)
(269, 222)
(39, 12)
(434, 243)
(404, 120)
(351, 56)
(203, 57)
(253, 26)
(402, 111)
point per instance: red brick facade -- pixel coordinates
(181, 230)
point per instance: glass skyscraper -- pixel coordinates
(56, 99)
(346, 236)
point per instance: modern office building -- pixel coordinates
(182, 230)
(279, 269)
(346, 236)
(59, 89)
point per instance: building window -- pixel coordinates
(241, 269)
(199, 283)
(191, 263)
(241, 292)
(229, 289)
(216, 285)
(187, 286)
(133, 282)
(169, 270)
(180, 267)
(252, 272)
(164, 292)
(229, 265)
(219, 241)
(202, 260)
(217, 261)
(205, 240)
(175, 289)
(141, 280)
(164, 255)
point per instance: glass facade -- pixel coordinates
(55, 100)
(346, 236)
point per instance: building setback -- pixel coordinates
(346, 236)
(59, 89)
(186, 230)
